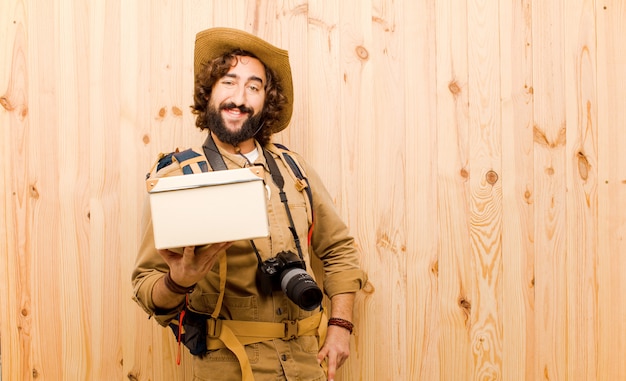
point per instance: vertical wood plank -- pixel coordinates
(103, 301)
(611, 75)
(582, 183)
(486, 188)
(550, 198)
(384, 198)
(132, 144)
(73, 185)
(517, 191)
(455, 278)
(419, 78)
(43, 160)
(15, 200)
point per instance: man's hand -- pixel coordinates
(186, 269)
(192, 265)
(336, 348)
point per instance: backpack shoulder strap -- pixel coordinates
(191, 161)
(179, 163)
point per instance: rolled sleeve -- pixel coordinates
(347, 281)
(143, 297)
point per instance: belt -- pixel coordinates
(234, 334)
(250, 332)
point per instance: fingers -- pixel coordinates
(167, 255)
(332, 367)
(335, 360)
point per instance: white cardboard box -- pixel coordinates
(210, 207)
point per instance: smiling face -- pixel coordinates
(235, 109)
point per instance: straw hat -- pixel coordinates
(214, 42)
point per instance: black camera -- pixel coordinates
(289, 272)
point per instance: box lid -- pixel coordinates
(205, 179)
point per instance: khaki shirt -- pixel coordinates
(274, 359)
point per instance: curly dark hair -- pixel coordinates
(215, 69)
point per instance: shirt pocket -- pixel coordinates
(233, 307)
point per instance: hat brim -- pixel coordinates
(212, 43)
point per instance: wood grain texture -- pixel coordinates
(485, 169)
(422, 236)
(453, 215)
(611, 229)
(582, 184)
(475, 149)
(16, 194)
(518, 272)
(550, 190)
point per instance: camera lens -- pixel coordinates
(301, 288)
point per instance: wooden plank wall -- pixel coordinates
(476, 148)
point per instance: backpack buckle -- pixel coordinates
(214, 327)
(291, 329)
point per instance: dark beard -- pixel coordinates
(248, 129)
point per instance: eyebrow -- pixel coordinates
(251, 78)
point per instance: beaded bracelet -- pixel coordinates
(175, 287)
(343, 323)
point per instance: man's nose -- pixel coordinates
(238, 96)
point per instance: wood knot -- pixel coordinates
(177, 111)
(162, 113)
(34, 193)
(528, 196)
(466, 307)
(464, 173)
(583, 166)
(465, 304)
(454, 88)
(540, 137)
(146, 139)
(435, 268)
(492, 177)
(362, 53)
(6, 104)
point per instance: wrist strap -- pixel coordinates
(343, 323)
(175, 287)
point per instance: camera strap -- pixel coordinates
(213, 155)
(280, 183)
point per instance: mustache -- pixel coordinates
(242, 108)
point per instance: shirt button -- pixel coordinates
(283, 357)
(279, 311)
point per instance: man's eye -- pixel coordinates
(228, 82)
